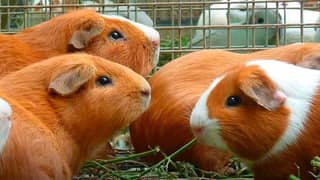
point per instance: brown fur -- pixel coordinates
(239, 82)
(250, 131)
(61, 116)
(83, 30)
(175, 89)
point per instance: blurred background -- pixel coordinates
(189, 25)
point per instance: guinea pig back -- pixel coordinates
(176, 88)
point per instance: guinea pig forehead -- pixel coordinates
(148, 32)
(224, 86)
(108, 68)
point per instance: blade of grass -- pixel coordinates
(180, 150)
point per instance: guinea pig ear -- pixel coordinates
(260, 88)
(311, 61)
(81, 37)
(69, 80)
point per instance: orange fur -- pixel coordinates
(61, 116)
(175, 89)
(87, 31)
(246, 77)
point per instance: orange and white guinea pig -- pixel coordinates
(64, 109)
(5, 122)
(176, 88)
(111, 37)
(265, 112)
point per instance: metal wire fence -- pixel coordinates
(189, 25)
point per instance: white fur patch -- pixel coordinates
(199, 118)
(5, 122)
(151, 33)
(299, 85)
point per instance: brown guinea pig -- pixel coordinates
(265, 112)
(175, 89)
(64, 110)
(111, 37)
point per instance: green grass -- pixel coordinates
(131, 167)
(169, 44)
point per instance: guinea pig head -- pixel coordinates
(129, 43)
(111, 37)
(242, 112)
(95, 97)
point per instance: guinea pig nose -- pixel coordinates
(145, 93)
(197, 130)
(156, 43)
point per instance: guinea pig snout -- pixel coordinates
(156, 43)
(5, 111)
(197, 130)
(145, 93)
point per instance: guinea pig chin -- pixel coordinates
(205, 129)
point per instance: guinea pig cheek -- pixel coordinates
(206, 130)
(249, 131)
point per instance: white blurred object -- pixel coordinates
(122, 142)
(5, 122)
(265, 13)
(133, 13)
(317, 36)
(293, 34)
(239, 14)
(46, 3)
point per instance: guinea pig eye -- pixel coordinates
(103, 81)
(233, 101)
(115, 35)
(260, 20)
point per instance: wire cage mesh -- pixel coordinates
(189, 25)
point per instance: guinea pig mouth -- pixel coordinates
(146, 103)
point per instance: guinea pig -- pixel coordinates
(175, 89)
(64, 110)
(5, 122)
(111, 37)
(265, 112)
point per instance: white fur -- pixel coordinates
(299, 85)
(199, 118)
(5, 122)
(151, 33)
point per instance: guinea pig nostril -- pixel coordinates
(145, 93)
(197, 130)
(155, 43)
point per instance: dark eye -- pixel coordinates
(233, 101)
(115, 35)
(103, 81)
(260, 20)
